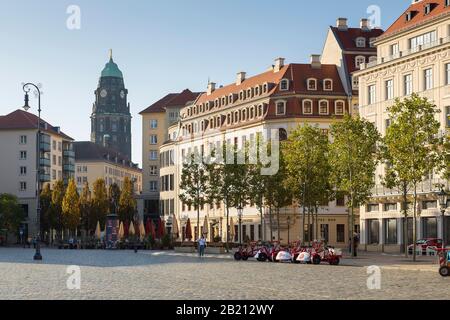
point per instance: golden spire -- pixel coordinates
(110, 54)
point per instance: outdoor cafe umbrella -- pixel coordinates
(205, 225)
(188, 234)
(161, 228)
(98, 231)
(152, 229)
(131, 231)
(232, 234)
(121, 231)
(126, 229)
(142, 230)
(175, 226)
(147, 227)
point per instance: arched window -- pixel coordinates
(323, 107)
(312, 84)
(265, 87)
(244, 115)
(282, 134)
(359, 60)
(280, 108)
(224, 101)
(230, 99)
(284, 85)
(249, 93)
(307, 107)
(339, 107)
(361, 42)
(260, 110)
(328, 85)
(257, 91)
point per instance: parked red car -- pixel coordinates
(425, 243)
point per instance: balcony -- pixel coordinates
(68, 154)
(44, 162)
(43, 177)
(69, 167)
(426, 186)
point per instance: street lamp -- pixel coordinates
(27, 88)
(443, 199)
(240, 209)
(289, 227)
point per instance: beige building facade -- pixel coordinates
(413, 57)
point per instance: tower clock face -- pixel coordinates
(122, 94)
(103, 93)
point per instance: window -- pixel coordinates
(422, 40)
(153, 124)
(387, 123)
(282, 134)
(389, 89)
(359, 60)
(373, 231)
(23, 171)
(361, 42)
(114, 126)
(23, 155)
(154, 139)
(60, 146)
(428, 74)
(324, 233)
(339, 107)
(447, 116)
(54, 144)
(372, 42)
(281, 108)
(428, 9)
(429, 227)
(408, 84)
(447, 73)
(323, 107)
(372, 94)
(429, 205)
(23, 186)
(312, 84)
(59, 161)
(372, 59)
(307, 106)
(328, 85)
(153, 155)
(390, 207)
(340, 233)
(340, 199)
(395, 50)
(373, 207)
(153, 185)
(391, 231)
(153, 170)
(78, 179)
(284, 85)
(23, 140)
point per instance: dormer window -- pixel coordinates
(372, 42)
(281, 108)
(410, 15)
(265, 87)
(241, 95)
(224, 101)
(257, 93)
(359, 60)
(284, 85)
(447, 3)
(217, 103)
(249, 93)
(428, 8)
(312, 84)
(361, 42)
(231, 99)
(328, 85)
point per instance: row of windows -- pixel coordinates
(167, 159)
(375, 207)
(167, 183)
(327, 84)
(308, 107)
(428, 84)
(361, 42)
(359, 60)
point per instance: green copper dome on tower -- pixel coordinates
(111, 69)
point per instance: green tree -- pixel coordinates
(55, 216)
(11, 213)
(46, 202)
(71, 207)
(411, 148)
(127, 202)
(308, 168)
(100, 204)
(194, 186)
(114, 197)
(85, 206)
(353, 160)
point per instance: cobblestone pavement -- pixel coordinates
(168, 275)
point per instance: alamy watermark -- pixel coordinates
(374, 17)
(374, 278)
(74, 280)
(73, 22)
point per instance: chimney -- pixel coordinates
(315, 61)
(240, 78)
(365, 25)
(279, 64)
(211, 88)
(341, 24)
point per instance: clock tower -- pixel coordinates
(111, 117)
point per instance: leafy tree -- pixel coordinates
(114, 197)
(100, 204)
(55, 212)
(308, 168)
(46, 201)
(11, 213)
(71, 207)
(127, 202)
(353, 162)
(194, 185)
(256, 186)
(85, 206)
(411, 148)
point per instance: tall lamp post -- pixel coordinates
(27, 88)
(240, 209)
(443, 200)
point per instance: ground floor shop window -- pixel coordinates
(429, 227)
(373, 228)
(260, 232)
(340, 233)
(391, 231)
(252, 232)
(447, 230)
(236, 233)
(324, 232)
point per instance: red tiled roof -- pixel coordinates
(347, 38)
(20, 119)
(419, 18)
(170, 100)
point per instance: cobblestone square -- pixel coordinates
(167, 275)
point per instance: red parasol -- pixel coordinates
(147, 227)
(152, 230)
(163, 228)
(188, 230)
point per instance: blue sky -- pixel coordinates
(161, 47)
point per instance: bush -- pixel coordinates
(166, 241)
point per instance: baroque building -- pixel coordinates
(413, 57)
(111, 117)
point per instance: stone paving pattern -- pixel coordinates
(167, 275)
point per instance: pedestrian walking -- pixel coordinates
(201, 246)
